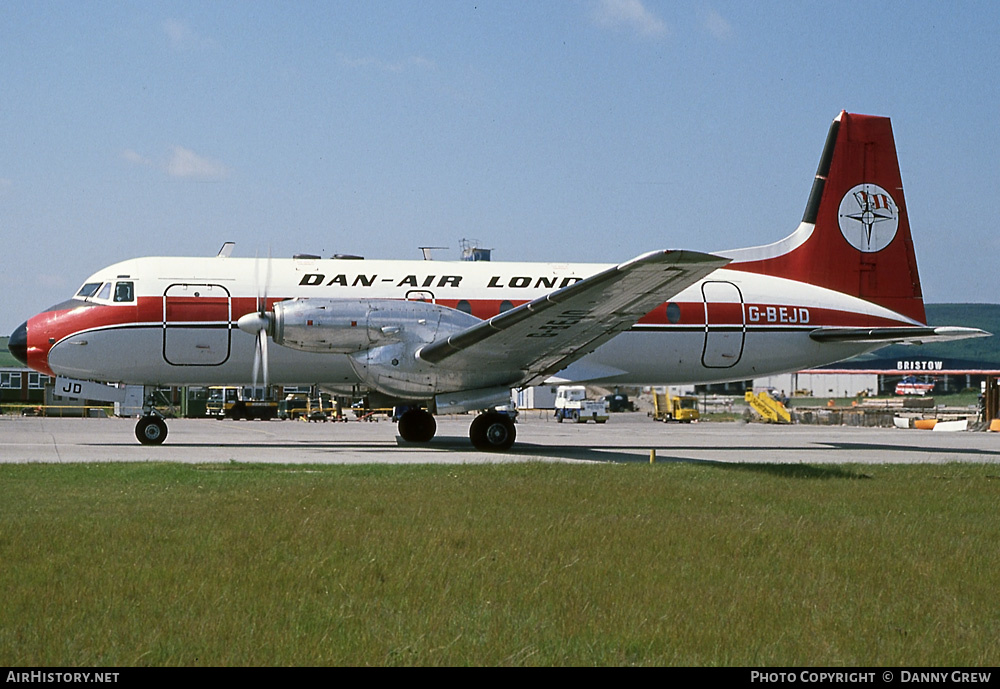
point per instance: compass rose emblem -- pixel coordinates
(868, 218)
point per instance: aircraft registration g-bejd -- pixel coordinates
(451, 337)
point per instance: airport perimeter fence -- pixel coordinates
(58, 411)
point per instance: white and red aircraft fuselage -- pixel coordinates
(457, 336)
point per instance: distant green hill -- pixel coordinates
(985, 316)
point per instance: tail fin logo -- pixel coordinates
(869, 218)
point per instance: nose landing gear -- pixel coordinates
(151, 430)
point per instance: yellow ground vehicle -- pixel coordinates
(239, 403)
(667, 407)
(298, 405)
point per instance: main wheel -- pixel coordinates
(417, 426)
(151, 430)
(492, 431)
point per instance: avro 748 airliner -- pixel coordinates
(451, 337)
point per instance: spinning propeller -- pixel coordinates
(260, 323)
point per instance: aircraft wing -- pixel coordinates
(899, 335)
(534, 340)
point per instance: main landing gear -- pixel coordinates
(417, 425)
(490, 430)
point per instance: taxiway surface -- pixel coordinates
(625, 438)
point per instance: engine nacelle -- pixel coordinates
(380, 335)
(329, 325)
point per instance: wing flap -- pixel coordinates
(543, 336)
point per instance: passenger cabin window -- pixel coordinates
(88, 290)
(124, 291)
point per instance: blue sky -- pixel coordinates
(570, 130)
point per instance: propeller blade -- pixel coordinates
(267, 281)
(256, 281)
(267, 329)
(259, 323)
(256, 356)
(262, 347)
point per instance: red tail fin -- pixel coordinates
(855, 233)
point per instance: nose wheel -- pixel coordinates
(151, 430)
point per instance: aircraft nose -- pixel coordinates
(18, 344)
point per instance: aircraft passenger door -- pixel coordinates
(725, 325)
(196, 324)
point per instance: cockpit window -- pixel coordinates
(124, 291)
(89, 290)
(105, 291)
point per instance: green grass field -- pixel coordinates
(526, 564)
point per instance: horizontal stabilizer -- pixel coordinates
(901, 335)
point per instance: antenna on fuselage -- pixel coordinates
(227, 250)
(426, 251)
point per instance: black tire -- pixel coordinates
(417, 426)
(151, 430)
(492, 431)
